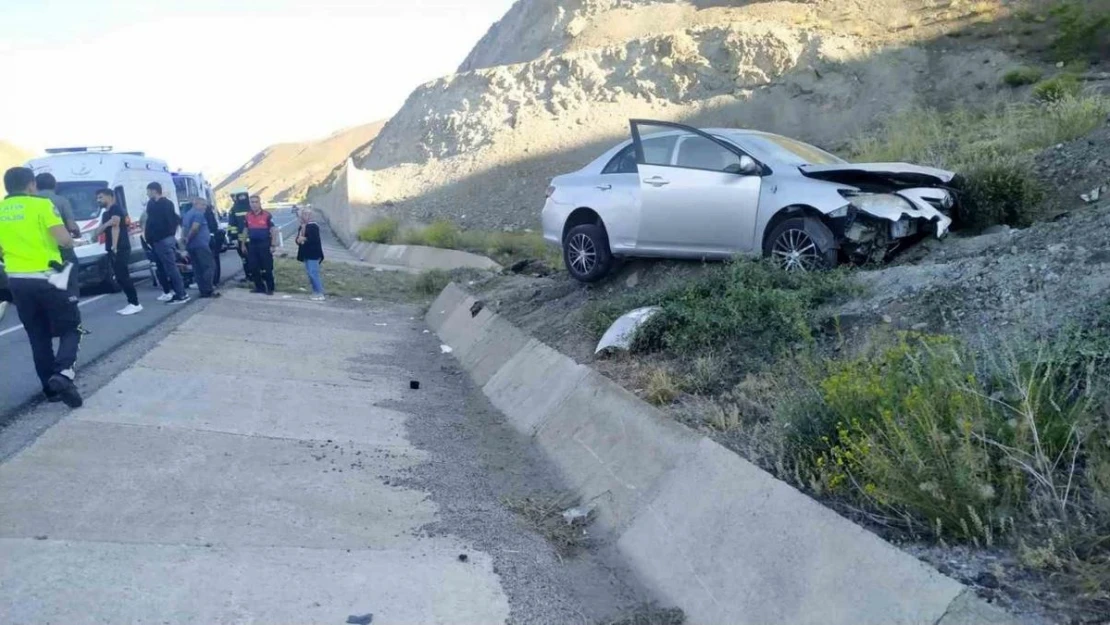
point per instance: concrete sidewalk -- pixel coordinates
(218, 480)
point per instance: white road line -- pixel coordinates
(80, 303)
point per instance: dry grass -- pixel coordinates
(544, 514)
(349, 281)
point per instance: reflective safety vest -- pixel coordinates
(25, 238)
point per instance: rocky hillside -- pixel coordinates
(285, 171)
(553, 83)
(12, 155)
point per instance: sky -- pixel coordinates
(206, 84)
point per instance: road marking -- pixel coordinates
(79, 304)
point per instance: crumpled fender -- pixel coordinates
(922, 209)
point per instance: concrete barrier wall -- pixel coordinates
(708, 531)
(420, 257)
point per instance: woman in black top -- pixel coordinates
(310, 251)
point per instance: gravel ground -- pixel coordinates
(477, 461)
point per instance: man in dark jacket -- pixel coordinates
(237, 228)
(47, 188)
(262, 237)
(161, 231)
(216, 243)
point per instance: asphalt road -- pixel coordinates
(18, 383)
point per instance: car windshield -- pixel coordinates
(82, 197)
(789, 151)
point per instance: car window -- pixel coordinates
(657, 151)
(697, 152)
(623, 163)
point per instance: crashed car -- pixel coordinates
(674, 191)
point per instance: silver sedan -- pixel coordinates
(674, 191)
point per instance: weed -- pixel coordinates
(1021, 76)
(432, 282)
(544, 513)
(1058, 88)
(999, 192)
(440, 233)
(381, 231)
(661, 387)
(348, 280)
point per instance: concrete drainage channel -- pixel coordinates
(706, 530)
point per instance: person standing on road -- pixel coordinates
(161, 228)
(237, 229)
(116, 228)
(159, 272)
(198, 240)
(216, 243)
(47, 187)
(31, 233)
(262, 237)
(310, 251)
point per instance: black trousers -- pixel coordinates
(216, 271)
(46, 313)
(260, 262)
(121, 267)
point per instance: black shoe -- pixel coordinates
(52, 397)
(212, 295)
(178, 300)
(269, 292)
(64, 388)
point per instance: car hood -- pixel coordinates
(901, 174)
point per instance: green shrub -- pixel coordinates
(999, 192)
(1057, 88)
(1084, 31)
(432, 282)
(744, 308)
(381, 231)
(1021, 76)
(920, 431)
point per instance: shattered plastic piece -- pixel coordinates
(426, 332)
(356, 619)
(357, 299)
(446, 349)
(286, 297)
(619, 335)
(381, 324)
(1093, 196)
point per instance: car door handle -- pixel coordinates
(656, 181)
(604, 187)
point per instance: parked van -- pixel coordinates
(80, 172)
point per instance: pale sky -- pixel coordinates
(205, 84)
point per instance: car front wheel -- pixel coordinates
(586, 253)
(801, 244)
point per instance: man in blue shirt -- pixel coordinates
(197, 239)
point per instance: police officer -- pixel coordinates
(31, 233)
(237, 228)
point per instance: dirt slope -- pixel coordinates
(12, 155)
(285, 171)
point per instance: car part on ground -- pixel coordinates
(673, 191)
(623, 330)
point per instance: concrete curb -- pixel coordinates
(705, 529)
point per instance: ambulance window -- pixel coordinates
(182, 189)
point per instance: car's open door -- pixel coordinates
(699, 194)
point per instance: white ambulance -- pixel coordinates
(80, 172)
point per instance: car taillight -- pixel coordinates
(550, 190)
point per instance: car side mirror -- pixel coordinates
(746, 167)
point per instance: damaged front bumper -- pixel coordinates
(871, 225)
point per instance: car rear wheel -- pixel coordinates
(801, 244)
(586, 253)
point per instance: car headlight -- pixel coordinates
(886, 205)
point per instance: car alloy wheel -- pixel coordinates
(795, 250)
(582, 253)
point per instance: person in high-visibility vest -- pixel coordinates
(31, 233)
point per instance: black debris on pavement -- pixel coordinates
(414, 385)
(477, 308)
(463, 557)
(365, 619)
